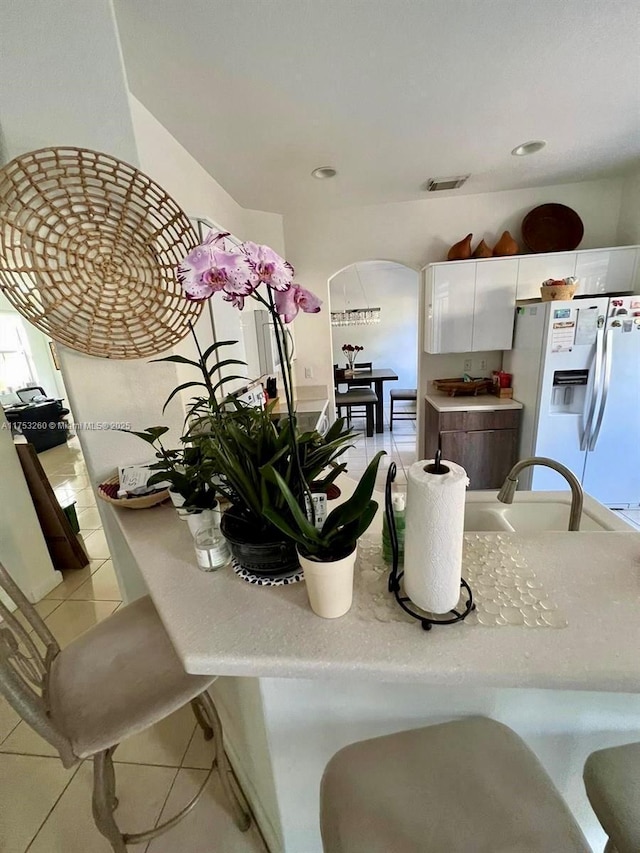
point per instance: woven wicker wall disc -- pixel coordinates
(88, 251)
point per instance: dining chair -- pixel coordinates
(114, 681)
(354, 383)
(612, 782)
(466, 785)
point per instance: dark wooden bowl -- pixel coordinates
(552, 228)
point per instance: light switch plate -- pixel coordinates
(468, 365)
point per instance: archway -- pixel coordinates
(374, 304)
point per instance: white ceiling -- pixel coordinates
(388, 92)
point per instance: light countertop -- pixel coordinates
(220, 625)
(308, 398)
(481, 403)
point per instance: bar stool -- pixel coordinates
(401, 394)
(469, 786)
(612, 781)
(112, 682)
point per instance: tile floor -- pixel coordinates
(47, 809)
(400, 446)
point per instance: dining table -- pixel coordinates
(377, 377)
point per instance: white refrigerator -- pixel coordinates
(576, 369)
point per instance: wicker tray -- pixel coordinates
(89, 247)
(132, 503)
(457, 386)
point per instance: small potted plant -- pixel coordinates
(190, 477)
(327, 555)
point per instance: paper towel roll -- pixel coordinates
(434, 523)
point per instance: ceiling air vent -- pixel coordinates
(436, 184)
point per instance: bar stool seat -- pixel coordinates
(612, 782)
(358, 397)
(468, 785)
(397, 395)
(100, 693)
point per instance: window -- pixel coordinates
(16, 366)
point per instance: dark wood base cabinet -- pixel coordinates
(484, 443)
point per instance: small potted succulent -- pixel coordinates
(327, 555)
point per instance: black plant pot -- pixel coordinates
(254, 552)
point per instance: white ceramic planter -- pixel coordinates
(329, 585)
(178, 501)
(200, 520)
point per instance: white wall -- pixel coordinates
(629, 223)
(393, 341)
(162, 157)
(320, 243)
(63, 83)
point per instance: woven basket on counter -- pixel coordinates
(557, 292)
(457, 386)
(131, 503)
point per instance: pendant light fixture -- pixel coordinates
(356, 316)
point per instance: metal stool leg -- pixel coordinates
(241, 817)
(104, 800)
(201, 718)
(391, 417)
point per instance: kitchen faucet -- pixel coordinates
(510, 485)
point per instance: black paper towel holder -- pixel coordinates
(427, 620)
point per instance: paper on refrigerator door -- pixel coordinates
(562, 335)
(587, 327)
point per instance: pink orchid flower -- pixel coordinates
(206, 271)
(235, 299)
(289, 302)
(268, 267)
(217, 239)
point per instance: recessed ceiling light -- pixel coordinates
(529, 148)
(324, 172)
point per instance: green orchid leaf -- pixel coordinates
(278, 522)
(218, 345)
(305, 527)
(182, 388)
(227, 361)
(355, 506)
(178, 359)
(225, 379)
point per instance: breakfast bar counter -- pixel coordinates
(220, 624)
(300, 687)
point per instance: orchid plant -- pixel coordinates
(250, 271)
(240, 438)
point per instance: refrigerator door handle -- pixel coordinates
(608, 353)
(595, 390)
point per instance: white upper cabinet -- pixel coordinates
(534, 269)
(493, 310)
(449, 305)
(470, 305)
(598, 271)
(608, 271)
